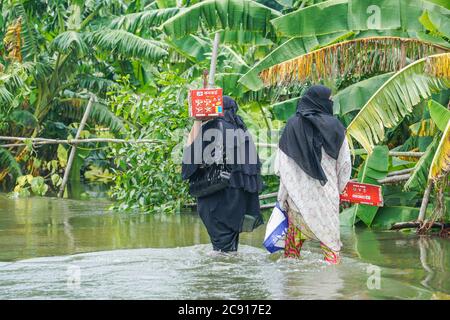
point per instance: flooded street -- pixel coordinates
(78, 249)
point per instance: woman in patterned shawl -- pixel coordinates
(314, 166)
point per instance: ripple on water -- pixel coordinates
(180, 273)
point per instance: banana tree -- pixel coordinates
(45, 62)
(392, 102)
(397, 97)
(381, 20)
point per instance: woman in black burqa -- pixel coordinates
(236, 208)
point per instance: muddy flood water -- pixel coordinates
(77, 249)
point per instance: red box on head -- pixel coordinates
(206, 103)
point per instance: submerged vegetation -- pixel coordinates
(388, 63)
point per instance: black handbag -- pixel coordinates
(210, 178)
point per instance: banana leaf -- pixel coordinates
(440, 166)
(127, 44)
(439, 114)
(137, 21)
(419, 177)
(244, 38)
(290, 49)
(227, 81)
(353, 15)
(166, 3)
(350, 99)
(442, 3)
(358, 57)
(436, 23)
(374, 168)
(347, 217)
(285, 109)
(192, 47)
(354, 97)
(222, 14)
(397, 97)
(388, 216)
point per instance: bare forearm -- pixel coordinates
(194, 131)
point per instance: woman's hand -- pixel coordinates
(196, 128)
(194, 131)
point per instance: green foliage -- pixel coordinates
(374, 168)
(140, 58)
(355, 96)
(439, 114)
(397, 97)
(290, 49)
(124, 43)
(352, 15)
(388, 216)
(348, 100)
(70, 41)
(27, 185)
(138, 21)
(222, 14)
(419, 177)
(148, 177)
(8, 162)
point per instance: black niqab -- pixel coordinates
(230, 109)
(312, 128)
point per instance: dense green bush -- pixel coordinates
(148, 175)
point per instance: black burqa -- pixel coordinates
(312, 128)
(235, 209)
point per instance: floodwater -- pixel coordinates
(77, 249)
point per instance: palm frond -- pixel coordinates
(361, 56)
(397, 97)
(135, 22)
(127, 44)
(70, 41)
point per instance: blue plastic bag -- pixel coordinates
(276, 230)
